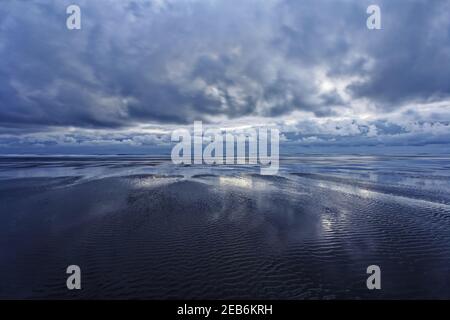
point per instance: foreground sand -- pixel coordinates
(216, 236)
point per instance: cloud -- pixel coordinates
(410, 60)
(164, 62)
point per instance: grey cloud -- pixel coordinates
(180, 61)
(411, 54)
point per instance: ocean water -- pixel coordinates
(141, 227)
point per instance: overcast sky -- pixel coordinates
(140, 68)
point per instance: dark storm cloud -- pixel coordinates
(412, 57)
(178, 61)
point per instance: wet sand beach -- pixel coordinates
(166, 232)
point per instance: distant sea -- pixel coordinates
(142, 227)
